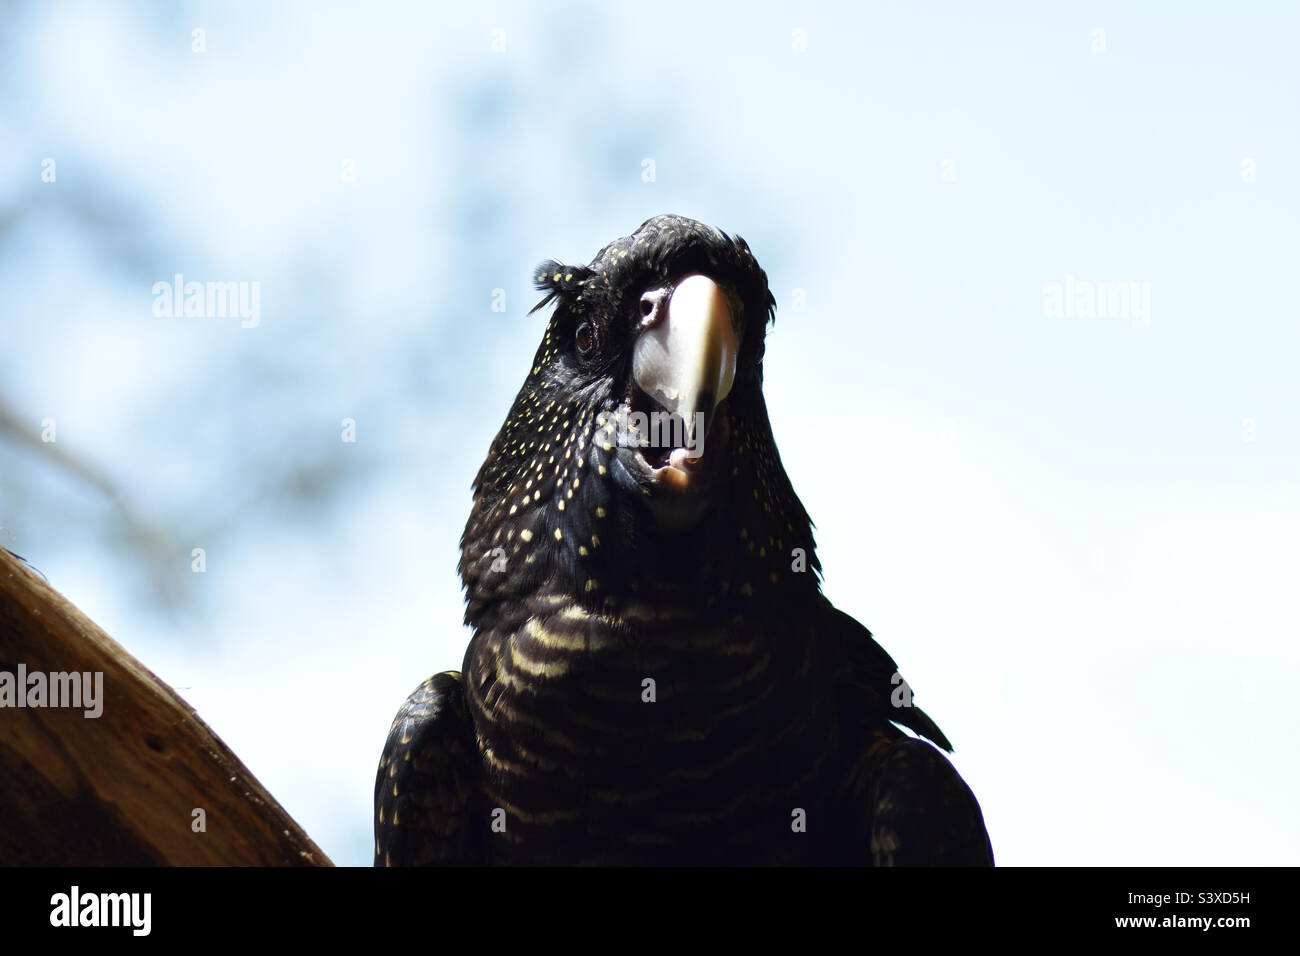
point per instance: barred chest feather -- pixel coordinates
(652, 733)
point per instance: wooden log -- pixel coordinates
(123, 788)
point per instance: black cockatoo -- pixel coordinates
(654, 675)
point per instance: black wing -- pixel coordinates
(918, 811)
(872, 685)
(427, 780)
(923, 814)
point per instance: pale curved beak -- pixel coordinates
(686, 361)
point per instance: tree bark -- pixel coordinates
(123, 788)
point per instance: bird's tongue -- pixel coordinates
(677, 475)
(678, 458)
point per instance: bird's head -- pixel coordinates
(638, 455)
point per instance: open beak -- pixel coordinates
(685, 358)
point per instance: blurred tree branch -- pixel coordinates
(155, 546)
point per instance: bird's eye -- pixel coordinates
(647, 304)
(585, 339)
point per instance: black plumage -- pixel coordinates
(655, 676)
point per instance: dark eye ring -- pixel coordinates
(585, 338)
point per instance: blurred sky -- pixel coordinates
(1077, 535)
